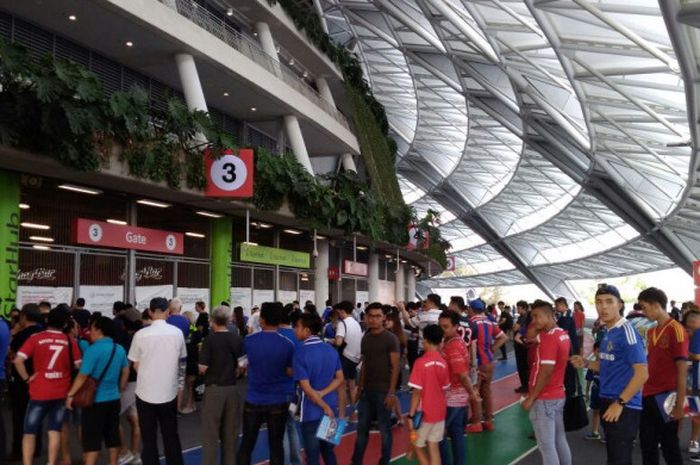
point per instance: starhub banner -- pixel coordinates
(9, 240)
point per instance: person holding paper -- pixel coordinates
(668, 368)
(318, 371)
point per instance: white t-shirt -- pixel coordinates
(353, 338)
(254, 323)
(423, 319)
(157, 349)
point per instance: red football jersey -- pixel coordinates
(431, 375)
(553, 349)
(51, 359)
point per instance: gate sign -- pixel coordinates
(229, 175)
(103, 234)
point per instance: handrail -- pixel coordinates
(248, 47)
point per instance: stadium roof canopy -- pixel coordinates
(557, 137)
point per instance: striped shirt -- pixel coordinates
(484, 332)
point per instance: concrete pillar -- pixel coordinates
(10, 188)
(411, 283)
(265, 37)
(321, 275)
(191, 86)
(373, 277)
(296, 142)
(325, 91)
(348, 162)
(399, 291)
(221, 252)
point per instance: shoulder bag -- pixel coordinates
(85, 396)
(575, 411)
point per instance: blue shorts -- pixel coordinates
(37, 410)
(594, 402)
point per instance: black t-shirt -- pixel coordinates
(203, 322)
(376, 357)
(220, 353)
(507, 321)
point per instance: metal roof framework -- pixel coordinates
(557, 137)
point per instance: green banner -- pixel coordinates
(9, 240)
(273, 256)
(221, 248)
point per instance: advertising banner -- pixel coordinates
(356, 268)
(274, 256)
(192, 295)
(36, 294)
(144, 294)
(287, 297)
(101, 298)
(103, 234)
(242, 297)
(307, 294)
(263, 295)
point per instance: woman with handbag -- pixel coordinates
(103, 375)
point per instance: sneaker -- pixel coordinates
(488, 425)
(694, 447)
(694, 458)
(137, 461)
(476, 428)
(603, 440)
(125, 458)
(592, 436)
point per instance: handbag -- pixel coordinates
(575, 410)
(85, 396)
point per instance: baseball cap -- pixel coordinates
(608, 289)
(477, 305)
(158, 303)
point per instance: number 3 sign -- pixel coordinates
(229, 175)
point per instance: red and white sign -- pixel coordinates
(333, 273)
(229, 175)
(450, 263)
(356, 268)
(103, 234)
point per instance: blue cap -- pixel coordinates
(608, 289)
(477, 305)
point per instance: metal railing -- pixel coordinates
(252, 50)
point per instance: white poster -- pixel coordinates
(387, 294)
(361, 297)
(36, 294)
(307, 294)
(287, 297)
(263, 295)
(242, 297)
(101, 298)
(144, 294)
(192, 295)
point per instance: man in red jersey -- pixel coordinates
(546, 399)
(51, 352)
(667, 346)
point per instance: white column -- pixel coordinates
(265, 36)
(399, 290)
(325, 90)
(321, 16)
(348, 162)
(321, 275)
(411, 283)
(373, 277)
(191, 86)
(296, 141)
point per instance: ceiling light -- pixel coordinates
(24, 206)
(229, 12)
(292, 231)
(253, 109)
(306, 74)
(153, 203)
(265, 225)
(195, 234)
(291, 62)
(320, 237)
(304, 277)
(41, 239)
(129, 44)
(225, 94)
(251, 243)
(361, 247)
(72, 17)
(388, 256)
(209, 214)
(41, 247)
(255, 34)
(404, 261)
(82, 190)
(119, 222)
(43, 227)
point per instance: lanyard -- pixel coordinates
(655, 337)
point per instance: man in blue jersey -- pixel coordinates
(623, 372)
(267, 399)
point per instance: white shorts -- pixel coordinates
(430, 432)
(128, 400)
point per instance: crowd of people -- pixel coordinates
(79, 373)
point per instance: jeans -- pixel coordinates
(221, 420)
(38, 410)
(454, 430)
(291, 445)
(371, 405)
(620, 435)
(547, 418)
(654, 431)
(522, 364)
(152, 416)
(275, 415)
(316, 448)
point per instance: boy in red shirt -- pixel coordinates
(546, 399)
(51, 352)
(429, 380)
(667, 358)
